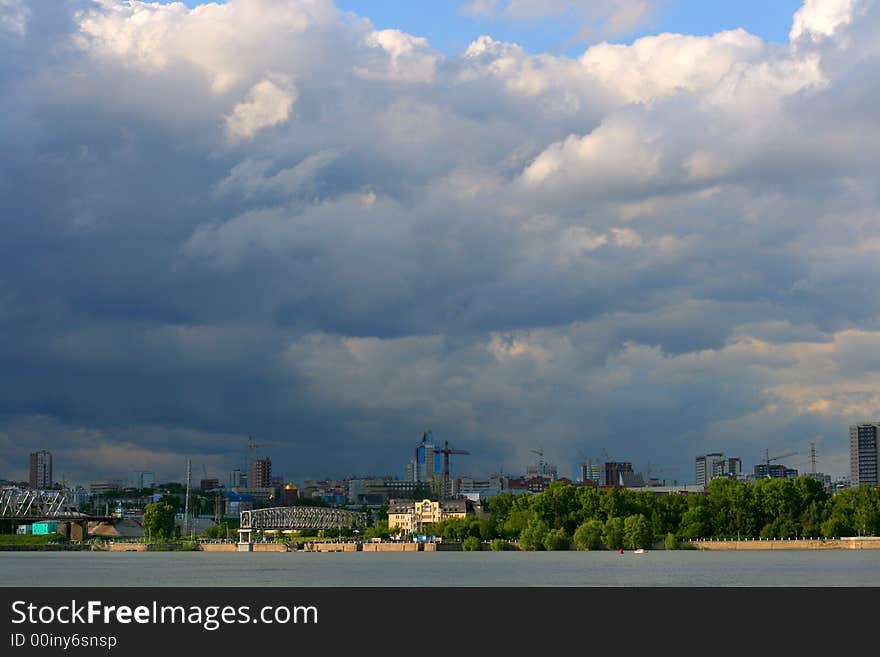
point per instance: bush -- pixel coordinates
(532, 537)
(589, 535)
(612, 536)
(557, 539)
(671, 541)
(499, 545)
(471, 544)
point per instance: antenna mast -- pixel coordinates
(186, 503)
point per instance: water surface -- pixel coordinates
(482, 569)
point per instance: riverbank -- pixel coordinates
(845, 543)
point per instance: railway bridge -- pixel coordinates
(26, 506)
(297, 517)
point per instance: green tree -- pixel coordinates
(557, 539)
(471, 544)
(866, 511)
(215, 531)
(558, 506)
(612, 536)
(532, 537)
(589, 535)
(517, 522)
(379, 530)
(696, 522)
(671, 542)
(637, 532)
(158, 520)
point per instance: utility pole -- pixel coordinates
(186, 502)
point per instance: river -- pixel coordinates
(480, 569)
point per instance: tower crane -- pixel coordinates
(649, 470)
(446, 450)
(768, 459)
(252, 447)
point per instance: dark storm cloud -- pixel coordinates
(333, 238)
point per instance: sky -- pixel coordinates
(633, 229)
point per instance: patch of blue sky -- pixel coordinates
(450, 30)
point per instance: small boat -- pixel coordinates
(639, 551)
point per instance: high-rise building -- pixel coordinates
(542, 469)
(705, 466)
(618, 473)
(864, 453)
(593, 471)
(237, 479)
(714, 465)
(261, 473)
(425, 465)
(41, 469)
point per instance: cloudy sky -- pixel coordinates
(639, 228)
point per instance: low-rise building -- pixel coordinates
(408, 515)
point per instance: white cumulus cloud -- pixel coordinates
(268, 103)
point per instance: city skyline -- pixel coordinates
(645, 229)
(603, 472)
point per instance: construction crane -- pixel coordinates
(649, 470)
(446, 450)
(252, 447)
(768, 459)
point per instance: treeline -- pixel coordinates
(593, 519)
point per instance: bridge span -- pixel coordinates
(297, 517)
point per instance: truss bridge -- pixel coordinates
(26, 505)
(298, 517)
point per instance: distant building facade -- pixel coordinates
(715, 464)
(105, 487)
(260, 475)
(209, 484)
(775, 471)
(289, 495)
(410, 516)
(864, 453)
(543, 470)
(593, 471)
(41, 469)
(617, 473)
(425, 464)
(237, 479)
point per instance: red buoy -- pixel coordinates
(621, 550)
